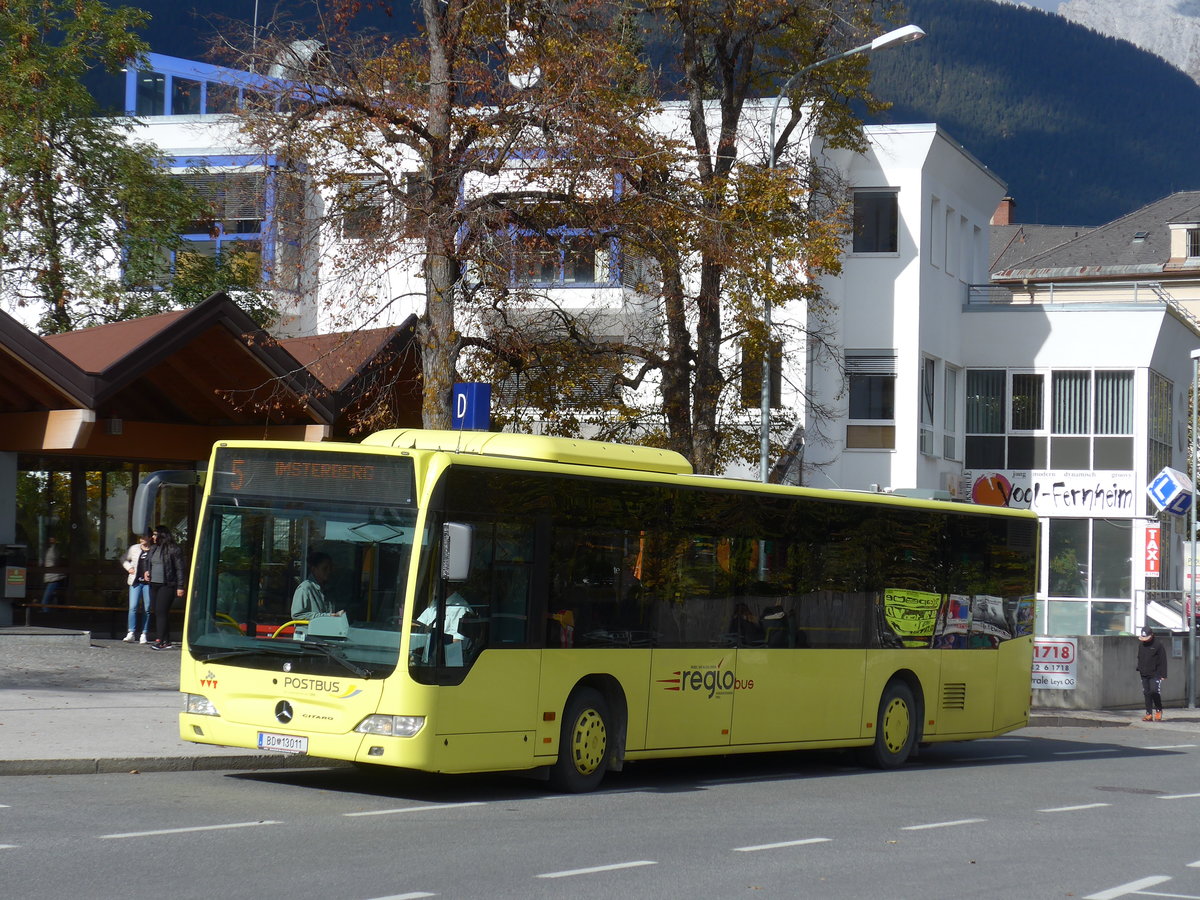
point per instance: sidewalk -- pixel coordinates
(71, 704)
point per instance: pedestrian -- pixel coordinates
(137, 567)
(167, 579)
(1152, 666)
(54, 575)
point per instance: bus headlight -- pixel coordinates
(394, 726)
(200, 705)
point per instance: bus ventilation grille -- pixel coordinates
(954, 696)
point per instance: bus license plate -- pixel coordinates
(282, 743)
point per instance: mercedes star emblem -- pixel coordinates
(283, 711)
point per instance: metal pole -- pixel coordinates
(1191, 597)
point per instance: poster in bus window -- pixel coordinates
(987, 617)
(1023, 617)
(912, 615)
(953, 622)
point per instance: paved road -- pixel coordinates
(1100, 813)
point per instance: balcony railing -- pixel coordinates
(1048, 293)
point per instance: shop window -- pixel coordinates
(1068, 559)
(985, 401)
(1027, 402)
(1072, 395)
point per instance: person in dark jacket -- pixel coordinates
(1152, 666)
(167, 578)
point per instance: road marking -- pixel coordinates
(1132, 887)
(1074, 808)
(1177, 796)
(942, 824)
(1085, 752)
(781, 844)
(415, 895)
(1172, 747)
(1195, 865)
(591, 870)
(8, 846)
(135, 834)
(408, 809)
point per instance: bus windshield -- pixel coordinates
(318, 581)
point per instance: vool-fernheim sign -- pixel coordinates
(1082, 495)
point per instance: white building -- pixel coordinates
(933, 386)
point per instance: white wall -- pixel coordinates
(909, 301)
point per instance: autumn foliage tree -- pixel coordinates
(497, 123)
(430, 148)
(77, 192)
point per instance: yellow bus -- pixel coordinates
(478, 602)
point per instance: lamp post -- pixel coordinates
(1190, 602)
(904, 35)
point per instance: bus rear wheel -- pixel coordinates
(583, 744)
(895, 727)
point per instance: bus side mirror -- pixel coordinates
(456, 551)
(147, 491)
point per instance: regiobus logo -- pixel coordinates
(711, 680)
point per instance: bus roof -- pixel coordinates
(539, 447)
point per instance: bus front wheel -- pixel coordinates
(895, 727)
(583, 745)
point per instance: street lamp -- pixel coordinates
(904, 35)
(1189, 605)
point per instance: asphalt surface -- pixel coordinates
(71, 703)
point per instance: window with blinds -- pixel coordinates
(871, 384)
(237, 199)
(1090, 420)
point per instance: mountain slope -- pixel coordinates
(1168, 28)
(1084, 128)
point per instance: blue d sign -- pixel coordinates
(472, 406)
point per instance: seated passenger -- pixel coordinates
(309, 601)
(744, 626)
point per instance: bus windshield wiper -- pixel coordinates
(337, 656)
(218, 655)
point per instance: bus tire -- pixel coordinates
(584, 743)
(895, 727)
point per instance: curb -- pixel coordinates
(1069, 721)
(137, 765)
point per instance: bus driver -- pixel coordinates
(309, 599)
